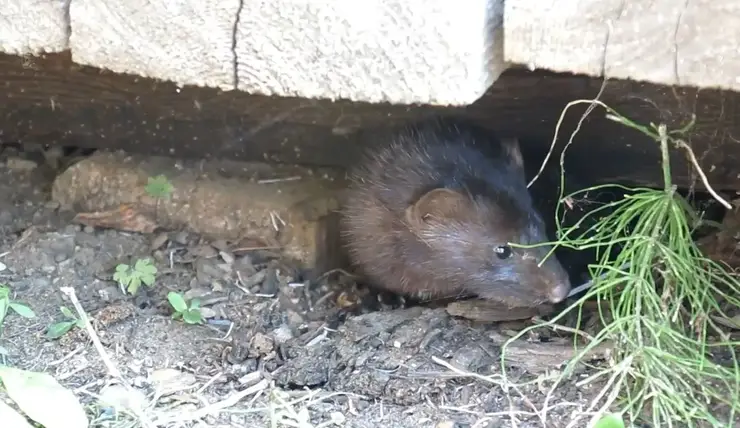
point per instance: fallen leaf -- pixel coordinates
(169, 380)
(11, 418)
(43, 399)
(126, 217)
(123, 399)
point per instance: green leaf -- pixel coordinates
(191, 316)
(195, 304)
(177, 301)
(57, 330)
(610, 421)
(22, 310)
(121, 278)
(43, 399)
(4, 292)
(141, 264)
(12, 418)
(147, 279)
(122, 268)
(3, 309)
(67, 313)
(159, 186)
(133, 285)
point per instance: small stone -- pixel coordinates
(282, 334)
(122, 398)
(135, 366)
(220, 245)
(20, 164)
(227, 256)
(337, 418)
(205, 271)
(41, 282)
(271, 282)
(207, 313)
(294, 318)
(63, 248)
(158, 241)
(468, 358)
(254, 280)
(180, 238)
(89, 229)
(250, 379)
(170, 380)
(261, 344)
(196, 293)
(71, 229)
(106, 293)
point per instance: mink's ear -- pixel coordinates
(512, 151)
(438, 205)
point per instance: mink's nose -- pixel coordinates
(558, 293)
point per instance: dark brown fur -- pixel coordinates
(426, 214)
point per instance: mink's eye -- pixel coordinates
(502, 251)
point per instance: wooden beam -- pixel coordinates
(666, 42)
(399, 51)
(52, 100)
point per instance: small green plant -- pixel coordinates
(188, 313)
(610, 420)
(159, 187)
(131, 278)
(659, 299)
(57, 330)
(6, 303)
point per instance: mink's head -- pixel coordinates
(468, 234)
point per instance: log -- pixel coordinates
(286, 208)
(51, 100)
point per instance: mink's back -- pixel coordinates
(439, 154)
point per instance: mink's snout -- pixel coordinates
(559, 292)
(558, 282)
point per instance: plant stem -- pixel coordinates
(665, 157)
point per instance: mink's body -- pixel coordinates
(430, 214)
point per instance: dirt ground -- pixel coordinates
(278, 349)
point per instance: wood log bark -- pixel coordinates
(49, 99)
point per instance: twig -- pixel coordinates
(682, 144)
(112, 369)
(215, 407)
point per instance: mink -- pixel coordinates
(430, 211)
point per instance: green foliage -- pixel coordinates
(663, 298)
(159, 187)
(610, 421)
(41, 399)
(131, 278)
(61, 328)
(6, 303)
(188, 313)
